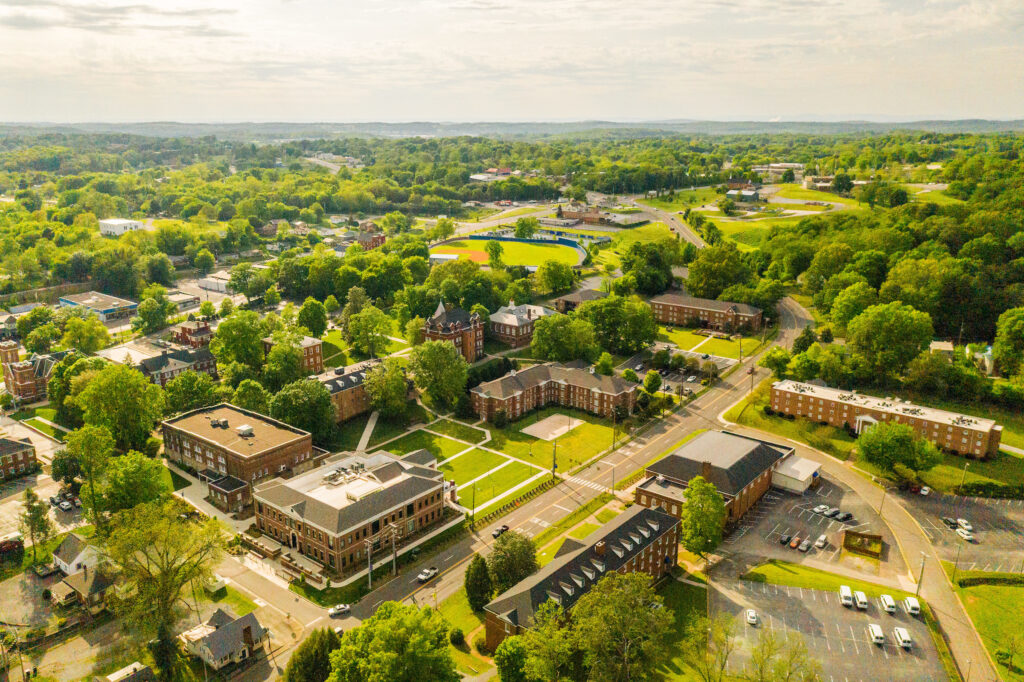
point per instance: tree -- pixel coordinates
(92, 447)
(331, 305)
(526, 227)
(34, 319)
(227, 306)
(650, 264)
(397, 643)
(284, 362)
(41, 338)
(512, 558)
(707, 647)
(204, 261)
(551, 647)
(888, 336)
(804, 340)
(311, 660)
(553, 277)
(189, 390)
(714, 269)
(306, 405)
(563, 338)
(250, 395)
(159, 555)
(889, 443)
(1008, 348)
(414, 331)
(369, 329)
(842, 183)
(151, 316)
(440, 370)
(64, 467)
(239, 338)
(387, 387)
(478, 583)
(494, 251)
(272, 297)
(776, 359)
(629, 374)
(774, 658)
(444, 229)
(851, 302)
(313, 316)
(34, 521)
(788, 175)
(621, 325)
(207, 309)
(510, 660)
(605, 365)
(652, 382)
(88, 335)
(130, 480)
(622, 635)
(702, 517)
(123, 401)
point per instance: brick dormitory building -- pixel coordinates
(312, 353)
(960, 434)
(329, 514)
(517, 393)
(26, 380)
(465, 330)
(347, 388)
(17, 458)
(680, 309)
(739, 467)
(637, 540)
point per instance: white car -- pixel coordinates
(902, 637)
(426, 574)
(821, 541)
(888, 603)
(820, 508)
(965, 534)
(692, 379)
(751, 616)
(338, 609)
(926, 490)
(65, 506)
(965, 524)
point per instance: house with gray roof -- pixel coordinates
(513, 324)
(223, 639)
(681, 309)
(170, 363)
(74, 554)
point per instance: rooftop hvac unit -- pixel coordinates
(245, 431)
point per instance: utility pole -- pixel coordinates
(956, 564)
(368, 542)
(920, 577)
(963, 480)
(884, 491)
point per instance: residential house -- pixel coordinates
(223, 639)
(26, 380)
(193, 333)
(75, 554)
(88, 587)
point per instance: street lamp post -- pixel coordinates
(920, 576)
(956, 563)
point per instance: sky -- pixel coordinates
(509, 60)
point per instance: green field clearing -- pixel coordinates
(457, 612)
(513, 253)
(791, 191)
(523, 211)
(996, 611)
(650, 232)
(683, 338)
(1004, 469)
(494, 484)
(930, 196)
(440, 447)
(574, 448)
(470, 465)
(45, 428)
(338, 353)
(172, 480)
(683, 199)
(687, 602)
(728, 348)
(583, 530)
(470, 434)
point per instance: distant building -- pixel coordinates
(743, 195)
(569, 302)
(680, 309)
(224, 640)
(438, 258)
(370, 240)
(136, 672)
(105, 307)
(637, 540)
(115, 227)
(216, 281)
(8, 326)
(465, 330)
(170, 363)
(519, 392)
(348, 394)
(193, 333)
(17, 458)
(312, 353)
(819, 182)
(88, 587)
(26, 380)
(182, 301)
(513, 324)
(739, 467)
(944, 348)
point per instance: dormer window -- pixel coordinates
(567, 588)
(653, 524)
(599, 565)
(577, 579)
(555, 597)
(627, 545)
(643, 531)
(588, 572)
(618, 551)
(635, 538)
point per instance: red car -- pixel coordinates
(795, 542)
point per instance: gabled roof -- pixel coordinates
(537, 375)
(182, 359)
(519, 315)
(447, 317)
(343, 378)
(733, 461)
(705, 304)
(90, 581)
(70, 548)
(9, 445)
(227, 639)
(220, 618)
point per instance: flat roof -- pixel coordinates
(896, 406)
(97, 301)
(118, 221)
(799, 468)
(267, 433)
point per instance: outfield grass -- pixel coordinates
(573, 448)
(750, 412)
(513, 253)
(688, 603)
(440, 447)
(493, 485)
(470, 434)
(470, 465)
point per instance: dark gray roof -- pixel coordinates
(422, 457)
(9, 445)
(705, 303)
(227, 639)
(182, 358)
(734, 460)
(42, 365)
(516, 382)
(571, 575)
(228, 484)
(70, 547)
(220, 618)
(90, 581)
(343, 378)
(445, 318)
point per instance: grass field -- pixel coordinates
(683, 338)
(522, 211)
(458, 430)
(337, 352)
(513, 253)
(930, 196)
(687, 602)
(583, 530)
(573, 448)
(349, 432)
(1006, 468)
(750, 412)
(172, 481)
(470, 465)
(996, 611)
(791, 191)
(440, 447)
(794, 575)
(457, 612)
(45, 428)
(684, 199)
(494, 484)
(726, 348)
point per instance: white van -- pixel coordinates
(861, 599)
(845, 596)
(912, 606)
(875, 634)
(902, 637)
(888, 603)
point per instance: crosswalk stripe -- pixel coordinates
(584, 482)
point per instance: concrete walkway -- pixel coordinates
(364, 440)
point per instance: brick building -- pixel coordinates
(568, 385)
(26, 379)
(348, 394)
(370, 240)
(194, 333)
(513, 324)
(328, 515)
(637, 540)
(229, 494)
(170, 363)
(17, 458)
(739, 467)
(465, 330)
(312, 353)
(227, 440)
(570, 302)
(680, 309)
(960, 434)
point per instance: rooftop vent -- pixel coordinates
(245, 431)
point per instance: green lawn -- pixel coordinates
(522, 211)
(605, 515)
(440, 447)
(583, 530)
(930, 196)
(728, 348)
(338, 353)
(513, 253)
(457, 612)
(493, 346)
(750, 412)
(1006, 468)
(548, 553)
(683, 338)
(573, 448)
(470, 465)
(45, 428)
(349, 432)
(172, 480)
(684, 199)
(687, 602)
(650, 232)
(996, 611)
(44, 554)
(470, 434)
(791, 191)
(495, 484)
(228, 597)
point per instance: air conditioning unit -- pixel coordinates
(245, 431)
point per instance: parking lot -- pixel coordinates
(12, 496)
(998, 526)
(672, 378)
(835, 635)
(779, 514)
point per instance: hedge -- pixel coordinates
(987, 489)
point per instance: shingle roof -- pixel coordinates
(9, 445)
(343, 378)
(70, 547)
(446, 317)
(735, 460)
(705, 304)
(519, 315)
(90, 581)
(182, 358)
(570, 576)
(227, 638)
(537, 375)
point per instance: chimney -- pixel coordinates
(705, 470)
(247, 637)
(599, 548)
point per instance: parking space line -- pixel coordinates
(854, 638)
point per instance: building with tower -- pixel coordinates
(465, 330)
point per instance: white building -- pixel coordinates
(115, 227)
(216, 281)
(795, 474)
(75, 554)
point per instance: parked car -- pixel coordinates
(902, 637)
(55, 500)
(844, 517)
(426, 574)
(795, 542)
(888, 603)
(804, 546)
(875, 634)
(832, 512)
(821, 541)
(964, 524)
(926, 490)
(821, 509)
(705, 356)
(950, 523)
(639, 368)
(498, 531)
(751, 617)
(912, 606)
(65, 506)
(692, 379)
(338, 609)
(861, 599)
(784, 540)
(965, 534)
(77, 502)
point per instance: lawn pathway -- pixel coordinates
(706, 339)
(61, 428)
(364, 440)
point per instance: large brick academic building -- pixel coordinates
(680, 309)
(465, 330)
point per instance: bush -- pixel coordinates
(480, 644)
(152, 447)
(768, 410)
(47, 595)
(456, 637)
(500, 419)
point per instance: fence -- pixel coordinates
(506, 508)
